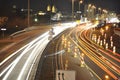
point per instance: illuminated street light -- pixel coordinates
(94, 10)
(80, 2)
(36, 20)
(99, 10)
(94, 7)
(89, 5)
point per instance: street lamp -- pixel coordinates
(94, 8)
(93, 11)
(89, 11)
(3, 29)
(80, 2)
(99, 10)
(72, 9)
(28, 13)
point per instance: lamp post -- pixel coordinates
(99, 10)
(28, 13)
(72, 9)
(93, 11)
(89, 11)
(99, 13)
(80, 2)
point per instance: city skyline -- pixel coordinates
(62, 5)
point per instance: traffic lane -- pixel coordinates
(99, 65)
(100, 72)
(75, 64)
(102, 51)
(16, 70)
(47, 65)
(7, 64)
(104, 61)
(100, 54)
(21, 40)
(9, 60)
(47, 36)
(82, 72)
(108, 60)
(97, 62)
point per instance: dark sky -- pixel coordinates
(65, 5)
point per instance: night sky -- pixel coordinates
(62, 5)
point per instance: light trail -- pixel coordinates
(81, 28)
(28, 52)
(27, 47)
(98, 59)
(94, 57)
(34, 52)
(110, 64)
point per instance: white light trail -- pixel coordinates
(34, 52)
(36, 44)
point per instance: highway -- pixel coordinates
(102, 64)
(78, 46)
(98, 59)
(22, 64)
(66, 61)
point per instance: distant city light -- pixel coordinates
(3, 29)
(114, 20)
(41, 13)
(35, 19)
(48, 8)
(106, 77)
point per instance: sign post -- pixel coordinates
(3, 29)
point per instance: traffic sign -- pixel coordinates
(65, 75)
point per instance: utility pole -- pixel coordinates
(28, 13)
(72, 9)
